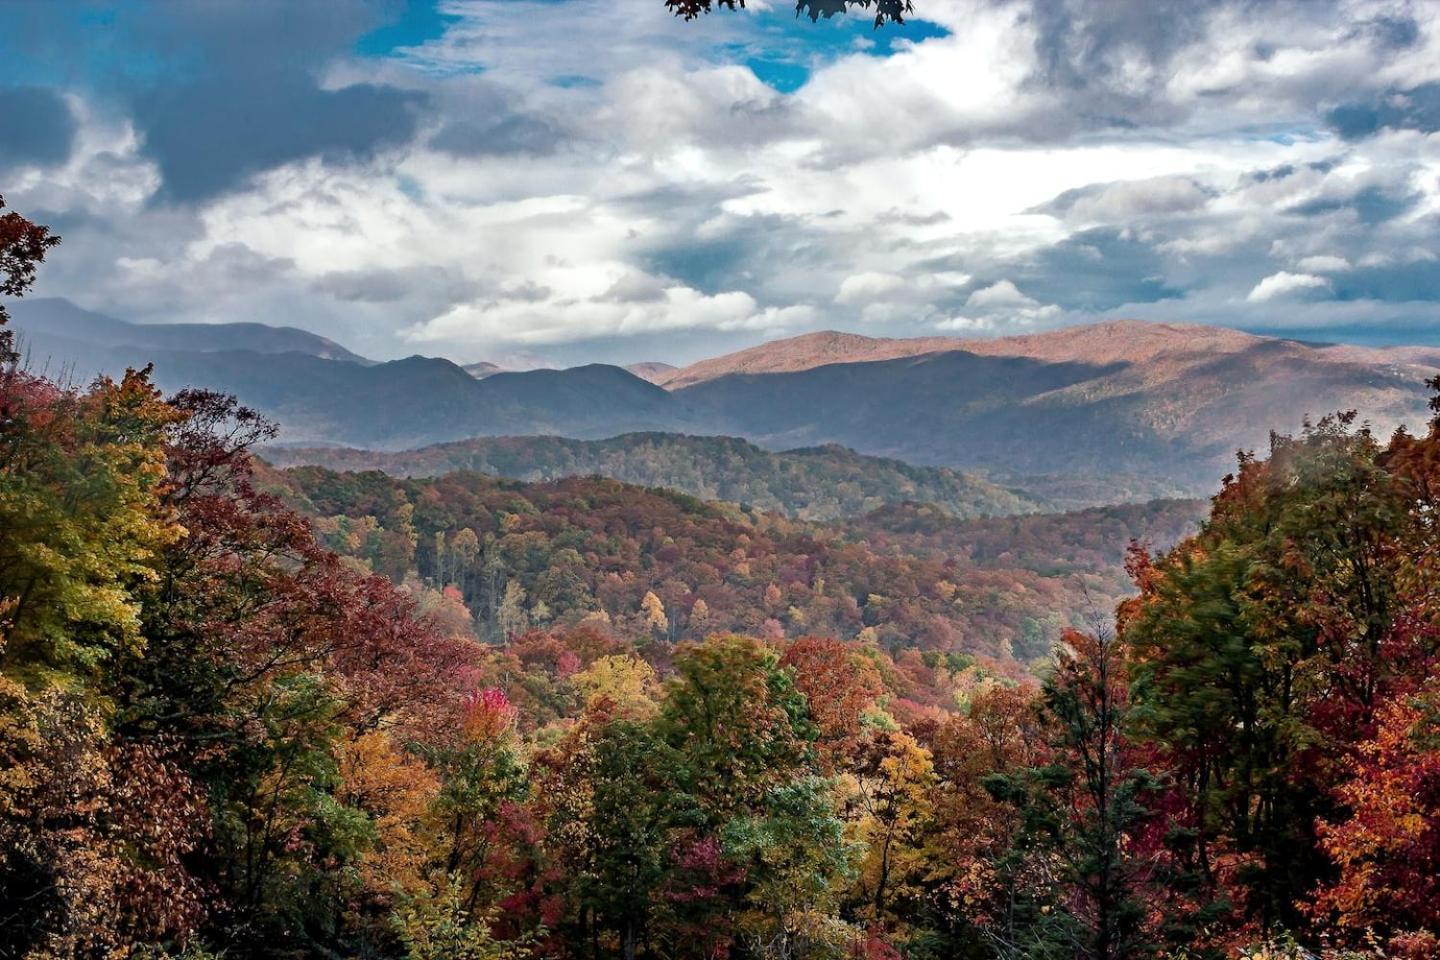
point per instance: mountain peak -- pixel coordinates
(1106, 342)
(804, 352)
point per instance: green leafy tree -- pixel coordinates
(1258, 645)
(441, 926)
(738, 725)
(797, 865)
(82, 522)
(1085, 818)
(633, 808)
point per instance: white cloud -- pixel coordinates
(961, 324)
(1323, 264)
(1284, 284)
(1128, 200)
(998, 306)
(999, 295)
(535, 323)
(868, 286)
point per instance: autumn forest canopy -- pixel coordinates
(317, 713)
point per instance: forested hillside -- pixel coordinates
(819, 483)
(659, 567)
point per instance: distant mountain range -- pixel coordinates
(819, 483)
(1141, 409)
(57, 333)
(321, 393)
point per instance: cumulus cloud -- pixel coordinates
(998, 295)
(967, 325)
(1285, 284)
(869, 286)
(998, 306)
(1127, 200)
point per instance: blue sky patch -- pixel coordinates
(786, 50)
(420, 22)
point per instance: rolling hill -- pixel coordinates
(819, 483)
(420, 400)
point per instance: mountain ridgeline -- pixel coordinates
(1130, 407)
(816, 483)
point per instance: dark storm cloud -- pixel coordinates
(246, 93)
(1286, 170)
(717, 254)
(1076, 42)
(741, 253)
(1094, 270)
(39, 128)
(210, 138)
(1274, 173)
(1085, 49)
(710, 265)
(1392, 32)
(1415, 109)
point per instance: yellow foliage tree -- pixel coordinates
(653, 609)
(625, 686)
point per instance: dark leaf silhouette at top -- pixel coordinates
(886, 11)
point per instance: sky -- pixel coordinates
(565, 181)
